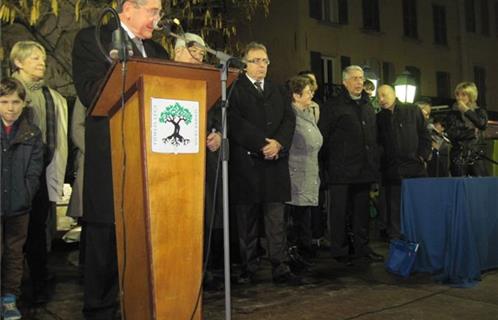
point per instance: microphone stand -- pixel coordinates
(225, 61)
(120, 44)
(119, 54)
(224, 178)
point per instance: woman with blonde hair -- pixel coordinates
(28, 59)
(465, 125)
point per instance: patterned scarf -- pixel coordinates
(50, 122)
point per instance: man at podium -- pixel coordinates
(137, 18)
(261, 126)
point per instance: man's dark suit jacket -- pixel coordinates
(89, 70)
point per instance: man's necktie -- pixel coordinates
(258, 87)
(140, 46)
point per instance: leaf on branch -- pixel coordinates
(35, 12)
(219, 22)
(55, 7)
(207, 18)
(12, 16)
(77, 10)
(4, 13)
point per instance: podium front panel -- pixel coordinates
(163, 199)
(176, 202)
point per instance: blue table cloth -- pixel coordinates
(455, 221)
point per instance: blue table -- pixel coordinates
(455, 220)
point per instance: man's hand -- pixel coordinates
(213, 141)
(422, 161)
(271, 149)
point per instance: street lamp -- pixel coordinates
(405, 87)
(369, 74)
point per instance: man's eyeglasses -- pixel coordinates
(259, 61)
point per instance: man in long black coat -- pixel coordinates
(89, 70)
(261, 125)
(350, 153)
(406, 145)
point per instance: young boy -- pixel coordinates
(22, 163)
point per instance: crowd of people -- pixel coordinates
(290, 155)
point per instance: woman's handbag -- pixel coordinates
(401, 257)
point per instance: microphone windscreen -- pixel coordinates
(157, 25)
(114, 54)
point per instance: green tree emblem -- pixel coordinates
(175, 114)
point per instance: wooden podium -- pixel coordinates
(158, 197)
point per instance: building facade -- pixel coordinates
(440, 42)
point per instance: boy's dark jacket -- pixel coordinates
(22, 165)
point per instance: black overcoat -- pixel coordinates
(405, 142)
(252, 117)
(350, 150)
(89, 70)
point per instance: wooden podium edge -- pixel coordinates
(140, 85)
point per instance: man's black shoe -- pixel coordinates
(347, 260)
(245, 278)
(298, 269)
(43, 289)
(297, 258)
(374, 257)
(212, 283)
(384, 235)
(40, 294)
(289, 279)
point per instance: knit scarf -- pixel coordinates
(51, 123)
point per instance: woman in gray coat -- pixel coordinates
(303, 164)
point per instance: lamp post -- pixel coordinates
(372, 76)
(405, 87)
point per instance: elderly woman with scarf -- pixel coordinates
(50, 115)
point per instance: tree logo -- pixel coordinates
(176, 114)
(175, 126)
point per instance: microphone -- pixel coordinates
(166, 23)
(232, 61)
(445, 137)
(117, 44)
(120, 46)
(438, 133)
(129, 47)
